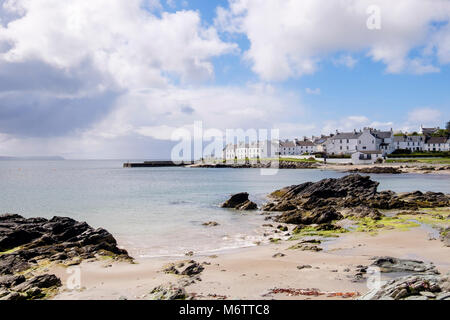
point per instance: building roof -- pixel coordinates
(436, 140)
(304, 143)
(371, 152)
(381, 134)
(346, 135)
(287, 144)
(405, 138)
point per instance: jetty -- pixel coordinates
(149, 164)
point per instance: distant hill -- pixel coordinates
(44, 158)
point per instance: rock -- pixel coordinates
(192, 269)
(278, 255)
(210, 224)
(240, 201)
(305, 266)
(42, 282)
(186, 268)
(58, 239)
(408, 288)
(445, 236)
(362, 212)
(11, 281)
(353, 195)
(320, 215)
(168, 292)
(378, 170)
(390, 264)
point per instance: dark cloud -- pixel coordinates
(42, 101)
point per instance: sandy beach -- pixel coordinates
(252, 272)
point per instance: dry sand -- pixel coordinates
(250, 273)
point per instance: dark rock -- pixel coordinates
(390, 264)
(353, 195)
(377, 170)
(42, 282)
(168, 292)
(240, 201)
(11, 281)
(410, 287)
(210, 224)
(315, 216)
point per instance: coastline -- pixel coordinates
(402, 167)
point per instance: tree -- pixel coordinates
(447, 126)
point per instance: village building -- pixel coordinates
(367, 157)
(436, 144)
(413, 143)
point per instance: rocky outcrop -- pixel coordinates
(377, 170)
(353, 195)
(240, 201)
(413, 287)
(390, 264)
(30, 243)
(186, 268)
(445, 236)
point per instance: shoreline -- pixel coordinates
(403, 167)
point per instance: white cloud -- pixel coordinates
(289, 38)
(132, 46)
(424, 116)
(345, 60)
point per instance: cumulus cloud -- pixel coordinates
(64, 64)
(290, 38)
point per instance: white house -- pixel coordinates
(288, 148)
(412, 143)
(305, 146)
(366, 140)
(366, 157)
(436, 144)
(253, 150)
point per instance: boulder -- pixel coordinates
(390, 264)
(240, 201)
(321, 215)
(413, 287)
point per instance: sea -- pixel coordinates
(156, 212)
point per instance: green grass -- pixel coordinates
(426, 161)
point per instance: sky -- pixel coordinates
(113, 79)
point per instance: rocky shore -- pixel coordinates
(28, 247)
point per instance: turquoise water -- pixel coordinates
(159, 211)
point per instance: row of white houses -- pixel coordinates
(364, 142)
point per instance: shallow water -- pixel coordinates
(159, 211)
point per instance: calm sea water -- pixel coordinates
(160, 211)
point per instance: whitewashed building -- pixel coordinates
(253, 150)
(369, 139)
(288, 148)
(305, 146)
(367, 157)
(437, 144)
(412, 143)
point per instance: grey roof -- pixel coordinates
(382, 134)
(347, 135)
(306, 143)
(408, 138)
(287, 144)
(435, 140)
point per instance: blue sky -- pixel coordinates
(114, 79)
